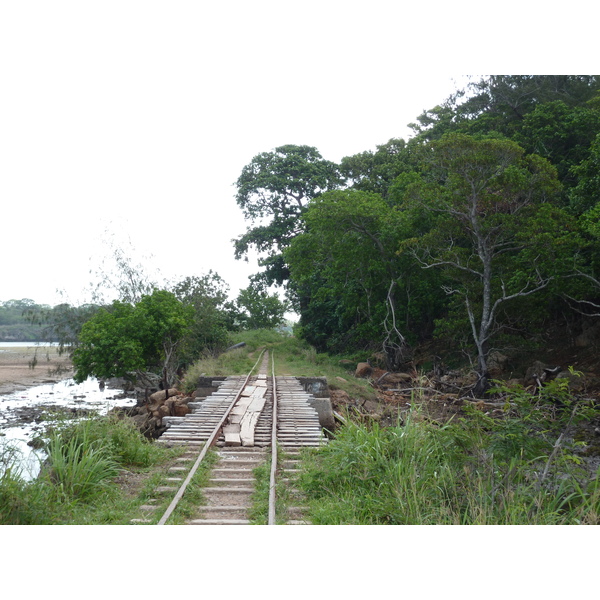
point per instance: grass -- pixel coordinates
(421, 474)
(259, 512)
(188, 506)
(78, 483)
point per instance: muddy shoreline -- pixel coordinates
(28, 365)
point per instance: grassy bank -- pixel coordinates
(523, 468)
(98, 471)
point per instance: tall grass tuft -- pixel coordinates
(79, 468)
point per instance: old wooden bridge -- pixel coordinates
(247, 421)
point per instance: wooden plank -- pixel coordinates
(231, 433)
(250, 419)
(248, 425)
(257, 404)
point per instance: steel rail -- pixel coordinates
(272, 498)
(205, 448)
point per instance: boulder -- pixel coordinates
(496, 364)
(539, 372)
(180, 410)
(396, 378)
(363, 369)
(161, 396)
(534, 373)
(589, 337)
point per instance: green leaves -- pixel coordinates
(259, 310)
(123, 338)
(274, 189)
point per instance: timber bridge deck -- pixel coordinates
(247, 421)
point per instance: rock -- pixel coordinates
(534, 373)
(496, 363)
(575, 382)
(379, 359)
(540, 372)
(371, 406)
(143, 423)
(161, 396)
(363, 370)
(395, 378)
(152, 408)
(378, 374)
(180, 410)
(589, 337)
(339, 398)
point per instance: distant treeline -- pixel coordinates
(16, 326)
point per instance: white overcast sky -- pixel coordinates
(136, 118)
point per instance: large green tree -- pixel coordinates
(257, 309)
(354, 290)
(376, 171)
(497, 236)
(499, 103)
(125, 340)
(272, 191)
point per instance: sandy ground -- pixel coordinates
(17, 374)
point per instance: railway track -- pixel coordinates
(249, 421)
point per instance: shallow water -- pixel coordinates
(25, 413)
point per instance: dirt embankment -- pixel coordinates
(28, 365)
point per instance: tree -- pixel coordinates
(61, 323)
(376, 171)
(125, 339)
(562, 134)
(273, 190)
(497, 237)
(354, 290)
(118, 275)
(259, 310)
(499, 103)
(212, 319)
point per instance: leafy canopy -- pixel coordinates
(125, 338)
(273, 190)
